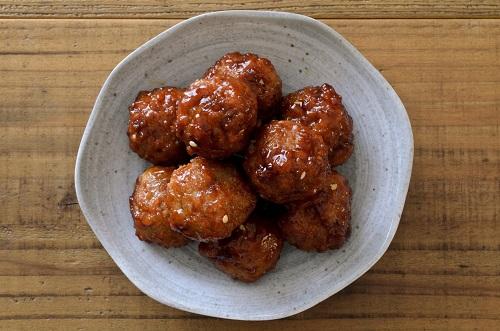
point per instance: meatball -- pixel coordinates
(151, 127)
(287, 162)
(320, 108)
(323, 222)
(147, 205)
(216, 117)
(208, 199)
(257, 71)
(252, 250)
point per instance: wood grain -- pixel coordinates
(200, 324)
(315, 8)
(442, 270)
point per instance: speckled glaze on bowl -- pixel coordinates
(305, 52)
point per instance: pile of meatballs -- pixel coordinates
(240, 168)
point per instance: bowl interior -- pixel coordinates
(305, 52)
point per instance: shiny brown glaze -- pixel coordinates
(321, 109)
(150, 214)
(252, 250)
(151, 128)
(323, 222)
(258, 72)
(216, 117)
(287, 162)
(208, 199)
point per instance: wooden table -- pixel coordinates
(442, 271)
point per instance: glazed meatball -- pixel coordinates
(151, 127)
(147, 205)
(257, 71)
(208, 199)
(252, 250)
(321, 109)
(322, 222)
(287, 162)
(216, 117)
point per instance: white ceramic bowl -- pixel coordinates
(305, 52)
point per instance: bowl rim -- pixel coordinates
(348, 279)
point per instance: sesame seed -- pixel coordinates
(333, 187)
(303, 175)
(193, 144)
(261, 82)
(242, 227)
(179, 211)
(225, 219)
(197, 115)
